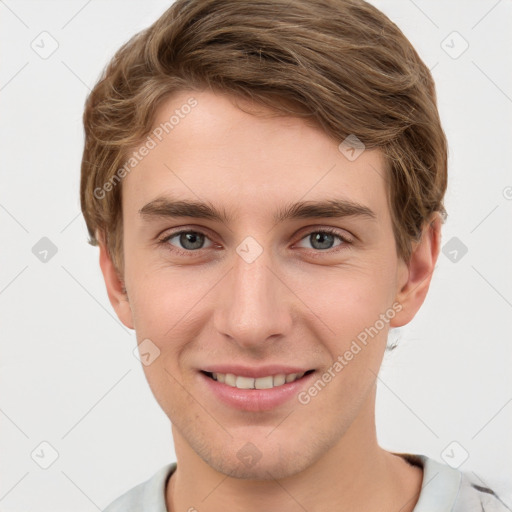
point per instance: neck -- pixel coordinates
(355, 474)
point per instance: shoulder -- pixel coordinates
(448, 489)
(148, 496)
(478, 497)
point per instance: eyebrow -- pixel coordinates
(330, 208)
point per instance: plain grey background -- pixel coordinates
(68, 376)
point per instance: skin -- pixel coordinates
(287, 306)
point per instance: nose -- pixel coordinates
(254, 305)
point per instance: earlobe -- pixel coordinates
(418, 271)
(115, 287)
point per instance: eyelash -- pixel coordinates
(346, 242)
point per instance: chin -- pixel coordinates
(271, 466)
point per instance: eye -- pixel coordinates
(324, 239)
(187, 240)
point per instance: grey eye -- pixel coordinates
(322, 240)
(189, 240)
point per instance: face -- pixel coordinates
(278, 284)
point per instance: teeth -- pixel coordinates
(244, 383)
(279, 380)
(230, 380)
(271, 381)
(264, 382)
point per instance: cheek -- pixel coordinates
(345, 300)
(355, 308)
(161, 311)
(168, 307)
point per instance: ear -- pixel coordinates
(115, 286)
(415, 276)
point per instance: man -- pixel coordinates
(265, 182)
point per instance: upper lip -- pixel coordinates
(248, 371)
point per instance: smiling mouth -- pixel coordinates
(268, 382)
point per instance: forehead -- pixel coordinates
(211, 149)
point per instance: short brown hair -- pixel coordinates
(342, 63)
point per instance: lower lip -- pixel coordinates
(256, 400)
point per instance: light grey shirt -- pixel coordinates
(444, 489)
